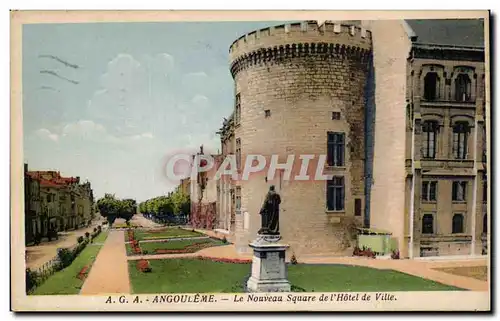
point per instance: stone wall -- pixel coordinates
(290, 80)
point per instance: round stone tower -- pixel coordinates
(298, 89)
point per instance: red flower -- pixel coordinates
(143, 266)
(83, 273)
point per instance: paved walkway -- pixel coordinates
(109, 273)
(38, 255)
(420, 268)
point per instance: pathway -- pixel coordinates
(109, 273)
(38, 255)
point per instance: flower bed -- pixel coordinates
(364, 252)
(224, 260)
(134, 244)
(187, 249)
(143, 266)
(167, 237)
(82, 275)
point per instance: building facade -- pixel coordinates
(402, 124)
(299, 90)
(64, 203)
(32, 208)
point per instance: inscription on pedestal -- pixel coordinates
(272, 268)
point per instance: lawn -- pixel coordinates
(192, 275)
(101, 237)
(66, 281)
(163, 234)
(179, 246)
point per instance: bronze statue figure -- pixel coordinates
(270, 213)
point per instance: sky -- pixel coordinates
(124, 97)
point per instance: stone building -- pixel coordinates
(32, 209)
(436, 70)
(228, 195)
(203, 195)
(401, 123)
(64, 202)
(299, 89)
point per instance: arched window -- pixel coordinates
(431, 86)
(462, 88)
(428, 224)
(485, 224)
(460, 137)
(429, 129)
(457, 224)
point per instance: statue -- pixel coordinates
(270, 213)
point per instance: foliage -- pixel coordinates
(175, 203)
(112, 208)
(32, 280)
(66, 281)
(364, 252)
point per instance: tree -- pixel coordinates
(112, 208)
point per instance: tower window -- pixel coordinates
(335, 149)
(335, 194)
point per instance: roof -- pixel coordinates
(455, 32)
(56, 180)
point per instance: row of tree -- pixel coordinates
(175, 203)
(112, 208)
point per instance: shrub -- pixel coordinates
(80, 239)
(364, 252)
(143, 266)
(87, 234)
(65, 257)
(293, 259)
(32, 280)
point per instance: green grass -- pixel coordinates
(101, 237)
(191, 275)
(165, 233)
(187, 276)
(66, 281)
(150, 247)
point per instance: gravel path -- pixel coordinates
(109, 274)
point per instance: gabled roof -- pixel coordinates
(454, 32)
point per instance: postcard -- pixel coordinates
(250, 161)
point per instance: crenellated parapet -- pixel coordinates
(288, 41)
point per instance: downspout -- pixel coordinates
(412, 192)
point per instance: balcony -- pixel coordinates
(429, 163)
(470, 104)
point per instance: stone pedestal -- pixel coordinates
(269, 273)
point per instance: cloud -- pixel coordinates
(131, 89)
(44, 133)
